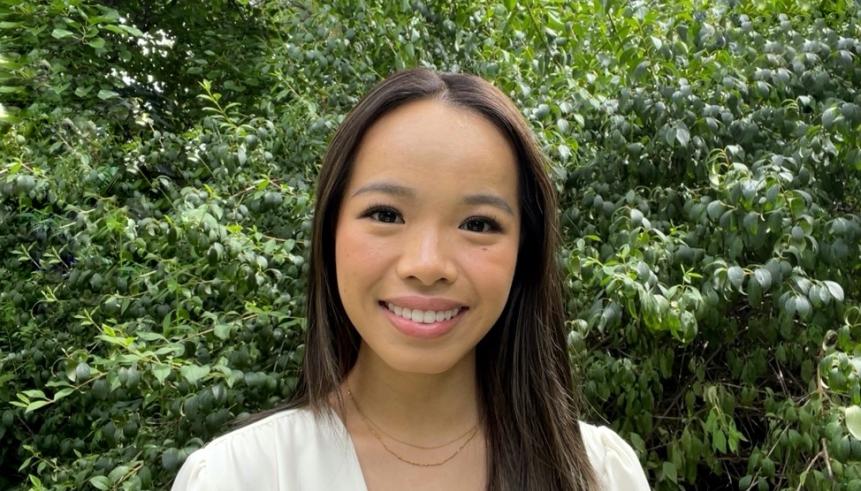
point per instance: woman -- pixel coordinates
(435, 354)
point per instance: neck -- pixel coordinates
(420, 408)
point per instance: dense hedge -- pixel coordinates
(155, 191)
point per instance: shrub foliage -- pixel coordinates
(156, 185)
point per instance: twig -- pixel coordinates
(782, 382)
(827, 458)
(755, 479)
(809, 466)
(612, 24)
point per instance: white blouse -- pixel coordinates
(293, 450)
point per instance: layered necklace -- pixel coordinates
(376, 430)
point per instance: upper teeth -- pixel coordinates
(423, 316)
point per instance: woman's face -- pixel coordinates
(427, 235)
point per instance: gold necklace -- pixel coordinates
(392, 437)
(373, 428)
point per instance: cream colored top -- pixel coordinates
(293, 450)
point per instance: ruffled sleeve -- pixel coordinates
(615, 463)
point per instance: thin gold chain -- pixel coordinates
(467, 432)
(373, 428)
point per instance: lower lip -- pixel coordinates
(421, 330)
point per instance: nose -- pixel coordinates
(426, 258)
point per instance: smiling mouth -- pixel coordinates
(422, 316)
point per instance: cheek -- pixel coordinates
(492, 270)
(358, 259)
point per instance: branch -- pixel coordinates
(809, 466)
(827, 458)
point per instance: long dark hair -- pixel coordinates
(525, 387)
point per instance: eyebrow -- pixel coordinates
(405, 192)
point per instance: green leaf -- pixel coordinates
(754, 293)
(835, 289)
(114, 29)
(802, 306)
(111, 16)
(149, 336)
(193, 373)
(636, 217)
(669, 471)
(564, 152)
(61, 33)
(97, 43)
(63, 393)
(683, 136)
(166, 323)
(35, 394)
(36, 405)
(107, 94)
(134, 31)
(853, 421)
(823, 294)
(719, 441)
(763, 277)
(828, 117)
(715, 209)
(222, 331)
(161, 373)
(118, 472)
(100, 482)
(637, 442)
(736, 276)
(670, 136)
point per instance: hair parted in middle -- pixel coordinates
(527, 400)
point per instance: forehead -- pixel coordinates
(427, 141)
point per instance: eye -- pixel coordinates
(481, 225)
(383, 214)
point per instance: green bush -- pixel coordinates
(156, 183)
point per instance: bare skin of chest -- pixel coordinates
(384, 472)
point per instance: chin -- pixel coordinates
(419, 363)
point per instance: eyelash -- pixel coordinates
(492, 223)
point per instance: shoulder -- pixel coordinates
(257, 455)
(287, 424)
(615, 462)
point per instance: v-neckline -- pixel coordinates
(354, 454)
